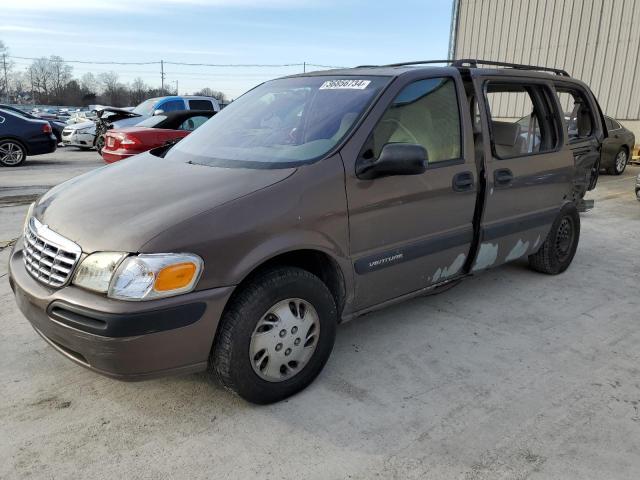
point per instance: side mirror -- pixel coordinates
(158, 112)
(395, 159)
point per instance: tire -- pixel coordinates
(619, 162)
(249, 323)
(12, 153)
(559, 248)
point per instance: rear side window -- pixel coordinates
(192, 123)
(426, 113)
(172, 106)
(200, 105)
(578, 117)
(522, 120)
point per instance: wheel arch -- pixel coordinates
(22, 143)
(315, 261)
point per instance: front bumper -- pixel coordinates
(124, 340)
(74, 139)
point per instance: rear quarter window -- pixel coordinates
(200, 105)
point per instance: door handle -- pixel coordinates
(502, 177)
(463, 182)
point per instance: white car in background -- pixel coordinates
(83, 134)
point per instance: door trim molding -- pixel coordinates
(411, 251)
(521, 224)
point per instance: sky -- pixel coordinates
(341, 33)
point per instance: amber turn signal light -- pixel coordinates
(175, 277)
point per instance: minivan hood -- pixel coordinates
(122, 206)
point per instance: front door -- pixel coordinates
(412, 231)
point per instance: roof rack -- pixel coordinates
(473, 63)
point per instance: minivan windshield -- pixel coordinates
(281, 123)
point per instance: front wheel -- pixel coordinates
(276, 335)
(12, 153)
(559, 248)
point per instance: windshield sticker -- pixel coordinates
(345, 84)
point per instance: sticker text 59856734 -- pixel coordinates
(345, 84)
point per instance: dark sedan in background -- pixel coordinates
(56, 125)
(617, 148)
(21, 136)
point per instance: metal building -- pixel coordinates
(597, 41)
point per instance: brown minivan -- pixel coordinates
(310, 200)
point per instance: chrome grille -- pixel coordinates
(48, 256)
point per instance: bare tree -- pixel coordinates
(139, 91)
(89, 83)
(5, 70)
(60, 76)
(209, 92)
(110, 84)
(41, 77)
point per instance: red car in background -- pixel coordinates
(121, 143)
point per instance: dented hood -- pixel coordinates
(122, 206)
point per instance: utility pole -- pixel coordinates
(162, 76)
(304, 67)
(6, 83)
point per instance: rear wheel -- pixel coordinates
(12, 153)
(276, 335)
(620, 162)
(557, 252)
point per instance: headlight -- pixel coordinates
(95, 271)
(139, 277)
(28, 217)
(148, 276)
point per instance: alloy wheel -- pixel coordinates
(11, 153)
(621, 161)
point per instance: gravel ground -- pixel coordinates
(510, 375)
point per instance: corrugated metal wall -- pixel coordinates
(597, 41)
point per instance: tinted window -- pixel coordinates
(193, 123)
(200, 105)
(533, 133)
(172, 106)
(281, 123)
(425, 113)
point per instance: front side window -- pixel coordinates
(172, 106)
(425, 113)
(281, 123)
(521, 120)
